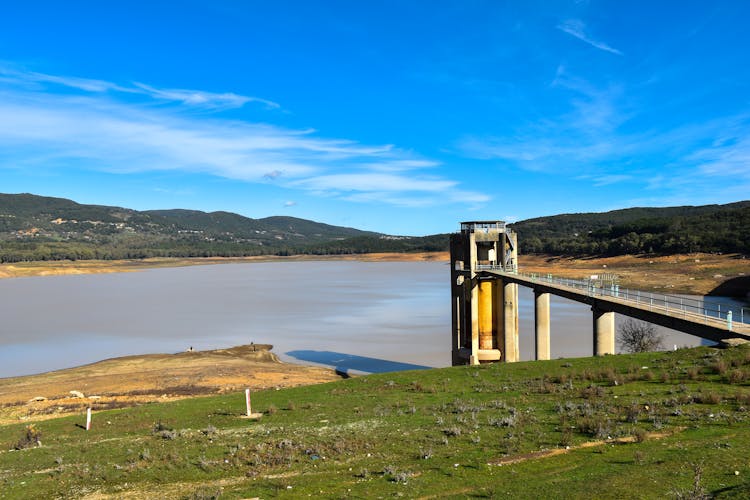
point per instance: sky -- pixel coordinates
(403, 117)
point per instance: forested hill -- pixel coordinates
(42, 228)
(707, 228)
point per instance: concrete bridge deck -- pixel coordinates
(687, 315)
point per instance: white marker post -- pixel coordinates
(88, 419)
(247, 401)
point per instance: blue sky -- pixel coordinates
(395, 116)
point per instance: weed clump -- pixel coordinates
(708, 398)
(31, 437)
(639, 435)
(452, 431)
(697, 491)
(595, 426)
(164, 432)
(396, 476)
(205, 493)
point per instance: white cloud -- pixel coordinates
(98, 130)
(201, 98)
(195, 98)
(728, 156)
(601, 138)
(290, 203)
(374, 181)
(577, 29)
(574, 141)
(607, 179)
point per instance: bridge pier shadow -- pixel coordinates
(344, 364)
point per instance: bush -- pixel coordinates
(31, 437)
(639, 435)
(638, 336)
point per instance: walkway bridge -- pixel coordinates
(484, 294)
(711, 321)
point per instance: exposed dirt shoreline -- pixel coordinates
(133, 380)
(63, 267)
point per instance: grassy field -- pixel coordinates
(668, 424)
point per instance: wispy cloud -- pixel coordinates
(577, 29)
(201, 98)
(728, 155)
(606, 180)
(601, 139)
(196, 98)
(95, 129)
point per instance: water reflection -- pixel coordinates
(348, 363)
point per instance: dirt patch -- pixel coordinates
(535, 455)
(133, 380)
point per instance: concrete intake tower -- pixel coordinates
(484, 310)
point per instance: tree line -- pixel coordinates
(710, 229)
(726, 231)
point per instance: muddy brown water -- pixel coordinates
(362, 316)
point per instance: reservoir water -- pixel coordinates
(362, 316)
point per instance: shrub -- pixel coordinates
(592, 391)
(163, 431)
(31, 437)
(639, 435)
(720, 367)
(638, 336)
(737, 377)
(452, 431)
(632, 413)
(598, 427)
(709, 398)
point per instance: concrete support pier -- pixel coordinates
(604, 332)
(510, 329)
(541, 325)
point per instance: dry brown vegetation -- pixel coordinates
(133, 380)
(694, 274)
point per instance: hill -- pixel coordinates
(671, 230)
(654, 425)
(43, 228)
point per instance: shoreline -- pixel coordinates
(693, 274)
(69, 267)
(133, 380)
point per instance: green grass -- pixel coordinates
(421, 434)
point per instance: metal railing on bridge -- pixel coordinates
(672, 305)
